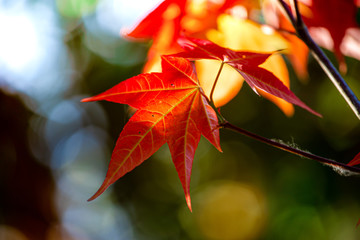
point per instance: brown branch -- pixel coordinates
(337, 166)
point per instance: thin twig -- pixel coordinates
(282, 146)
(215, 82)
(321, 58)
(299, 21)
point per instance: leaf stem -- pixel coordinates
(220, 117)
(285, 147)
(215, 82)
(321, 58)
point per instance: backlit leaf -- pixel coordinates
(355, 161)
(246, 63)
(336, 19)
(230, 34)
(172, 110)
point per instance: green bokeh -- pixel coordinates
(76, 8)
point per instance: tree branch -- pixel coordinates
(337, 166)
(321, 58)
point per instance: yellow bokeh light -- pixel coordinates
(230, 210)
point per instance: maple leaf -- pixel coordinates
(246, 63)
(170, 18)
(355, 160)
(162, 25)
(329, 22)
(151, 24)
(172, 110)
(192, 17)
(259, 38)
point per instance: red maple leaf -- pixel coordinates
(151, 24)
(246, 63)
(337, 16)
(171, 18)
(355, 160)
(172, 110)
(162, 25)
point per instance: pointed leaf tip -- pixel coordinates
(92, 198)
(100, 191)
(93, 98)
(96, 195)
(89, 99)
(188, 201)
(355, 161)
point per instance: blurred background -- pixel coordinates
(54, 150)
